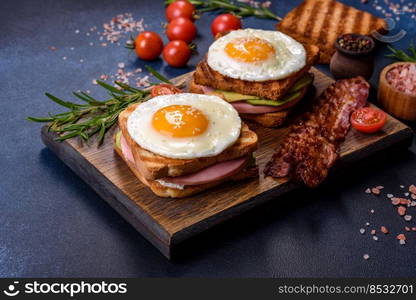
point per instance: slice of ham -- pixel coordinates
(245, 108)
(126, 150)
(213, 173)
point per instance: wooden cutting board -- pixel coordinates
(166, 222)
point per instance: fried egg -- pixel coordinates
(185, 125)
(256, 55)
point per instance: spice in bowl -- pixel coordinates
(397, 90)
(403, 78)
(353, 56)
(356, 43)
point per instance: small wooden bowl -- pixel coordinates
(397, 103)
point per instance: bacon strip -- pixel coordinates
(312, 145)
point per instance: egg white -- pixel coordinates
(290, 56)
(223, 129)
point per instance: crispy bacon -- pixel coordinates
(312, 145)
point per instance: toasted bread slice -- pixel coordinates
(272, 89)
(153, 166)
(319, 22)
(267, 119)
(163, 191)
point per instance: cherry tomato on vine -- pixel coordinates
(225, 23)
(164, 89)
(181, 29)
(148, 45)
(368, 119)
(180, 8)
(177, 53)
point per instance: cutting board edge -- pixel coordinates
(111, 194)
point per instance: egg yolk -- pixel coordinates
(249, 50)
(179, 121)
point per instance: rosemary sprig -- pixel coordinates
(157, 74)
(402, 55)
(234, 7)
(93, 116)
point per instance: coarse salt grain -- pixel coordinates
(401, 210)
(367, 224)
(412, 189)
(402, 242)
(375, 238)
(401, 237)
(375, 191)
(368, 191)
(407, 218)
(389, 195)
(373, 232)
(406, 228)
(372, 211)
(384, 230)
(395, 201)
(366, 256)
(362, 230)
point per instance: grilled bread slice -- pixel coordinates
(273, 119)
(319, 22)
(153, 166)
(272, 89)
(163, 191)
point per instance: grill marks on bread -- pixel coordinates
(319, 22)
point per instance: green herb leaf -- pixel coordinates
(402, 55)
(234, 7)
(157, 74)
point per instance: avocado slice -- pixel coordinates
(287, 98)
(118, 139)
(301, 83)
(233, 96)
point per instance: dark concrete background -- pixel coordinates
(53, 224)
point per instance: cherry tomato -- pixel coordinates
(225, 23)
(164, 89)
(179, 9)
(181, 29)
(368, 119)
(177, 53)
(148, 45)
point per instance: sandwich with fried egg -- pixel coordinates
(263, 74)
(182, 144)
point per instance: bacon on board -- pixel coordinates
(312, 145)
